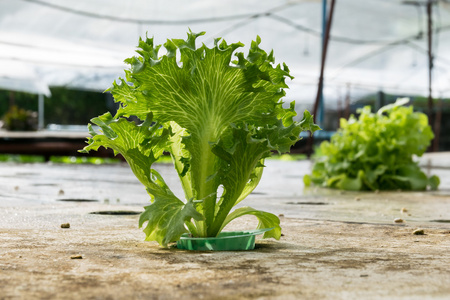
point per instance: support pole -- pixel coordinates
(324, 55)
(322, 68)
(347, 102)
(41, 112)
(380, 102)
(437, 125)
(339, 111)
(430, 68)
(321, 108)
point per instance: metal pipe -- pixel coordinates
(324, 54)
(41, 111)
(347, 102)
(324, 28)
(310, 142)
(430, 67)
(437, 125)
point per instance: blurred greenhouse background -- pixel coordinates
(58, 56)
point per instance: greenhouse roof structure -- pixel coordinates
(374, 44)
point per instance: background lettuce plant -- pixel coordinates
(217, 117)
(375, 152)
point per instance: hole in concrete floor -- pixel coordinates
(441, 192)
(26, 174)
(441, 221)
(307, 203)
(116, 212)
(77, 200)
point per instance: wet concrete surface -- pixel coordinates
(335, 245)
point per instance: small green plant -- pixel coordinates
(218, 118)
(83, 160)
(19, 119)
(375, 152)
(20, 158)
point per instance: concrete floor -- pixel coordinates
(335, 245)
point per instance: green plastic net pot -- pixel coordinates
(224, 241)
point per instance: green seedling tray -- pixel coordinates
(225, 241)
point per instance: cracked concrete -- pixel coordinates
(335, 245)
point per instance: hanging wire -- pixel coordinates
(244, 19)
(406, 41)
(380, 50)
(341, 38)
(424, 51)
(420, 13)
(248, 18)
(138, 21)
(438, 27)
(306, 45)
(67, 64)
(49, 48)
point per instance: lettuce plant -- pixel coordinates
(375, 152)
(217, 117)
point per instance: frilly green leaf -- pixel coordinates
(217, 112)
(375, 151)
(166, 218)
(266, 220)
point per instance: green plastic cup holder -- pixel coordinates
(224, 241)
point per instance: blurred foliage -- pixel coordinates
(19, 158)
(83, 160)
(16, 158)
(288, 157)
(164, 159)
(420, 103)
(376, 152)
(65, 107)
(19, 119)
